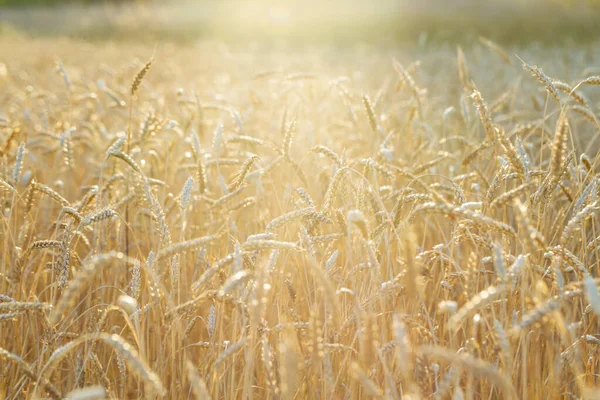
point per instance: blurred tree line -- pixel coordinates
(594, 3)
(57, 2)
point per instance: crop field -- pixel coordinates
(269, 221)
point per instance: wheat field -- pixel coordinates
(211, 221)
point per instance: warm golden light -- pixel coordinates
(226, 199)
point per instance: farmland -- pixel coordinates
(189, 215)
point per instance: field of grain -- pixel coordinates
(205, 220)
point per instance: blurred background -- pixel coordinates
(505, 21)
